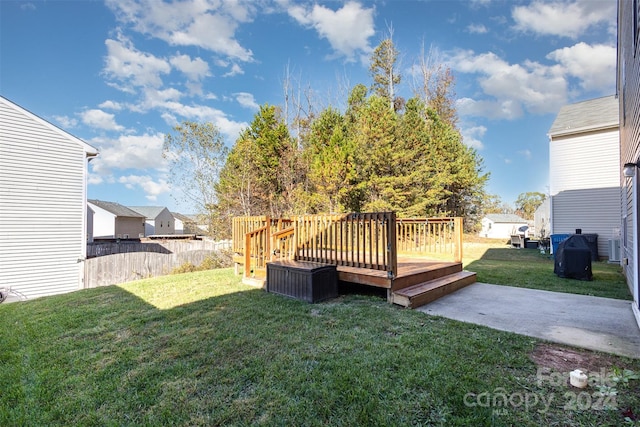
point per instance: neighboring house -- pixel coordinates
(502, 226)
(43, 202)
(628, 89)
(186, 224)
(110, 220)
(584, 172)
(159, 220)
(542, 219)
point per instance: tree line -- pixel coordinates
(382, 153)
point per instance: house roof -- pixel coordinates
(506, 218)
(88, 149)
(594, 114)
(115, 208)
(183, 218)
(151, 212)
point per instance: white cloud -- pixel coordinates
(594, 66)
(210, 25)
(101, 120)
(111, 105)
(526, 154)
(246, 100)
(152, 188)
(347, 29)
(94, 179)
(471, 136)
(477, 29)
(195, 69)
(172, 110)
(128, 152)
(131, 67)
(562, 18)
(511, 88)
(234, 71)
(66, 122)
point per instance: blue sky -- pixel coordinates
(119, 74)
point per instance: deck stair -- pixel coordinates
(426, 292)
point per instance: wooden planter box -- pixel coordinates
(303, 280)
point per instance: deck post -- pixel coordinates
(458, 224)
(392, 251)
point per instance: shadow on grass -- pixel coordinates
(222, 353)
(528, 268)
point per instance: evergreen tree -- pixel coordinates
(263, 166)
(383, 72)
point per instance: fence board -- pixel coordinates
(128, 266)
(97, 249)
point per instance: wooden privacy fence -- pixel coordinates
(127, 266)
(96, 249)
(362, 240)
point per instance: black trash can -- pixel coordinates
(573, 258)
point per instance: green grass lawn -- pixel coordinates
(203, 349)
(497, 263)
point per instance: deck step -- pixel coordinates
(426, 292)
(420, 276)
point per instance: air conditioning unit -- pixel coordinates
(614, 250)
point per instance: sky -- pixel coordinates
(120, 74)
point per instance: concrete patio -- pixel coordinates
(593, 323)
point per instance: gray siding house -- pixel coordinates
(584, 179)
(110, 220)
(159, 220)
(628, 167)
(43, 204)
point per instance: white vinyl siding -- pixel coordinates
(42, 205)
(585, 185)
(104, 223)
(168, 223)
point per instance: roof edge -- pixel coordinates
(90, 151)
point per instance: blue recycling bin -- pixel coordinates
(555, 241)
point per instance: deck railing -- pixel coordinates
(362, 240)
(435, 237)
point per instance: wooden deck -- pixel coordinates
(410, 272)
(419, 280)
(367, 249)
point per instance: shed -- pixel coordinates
(502, 226)
(43, 204)
(584, 181)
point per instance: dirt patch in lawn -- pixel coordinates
(564, 359)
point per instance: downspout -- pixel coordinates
(83, 244)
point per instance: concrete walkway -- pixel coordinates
(594, 323)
